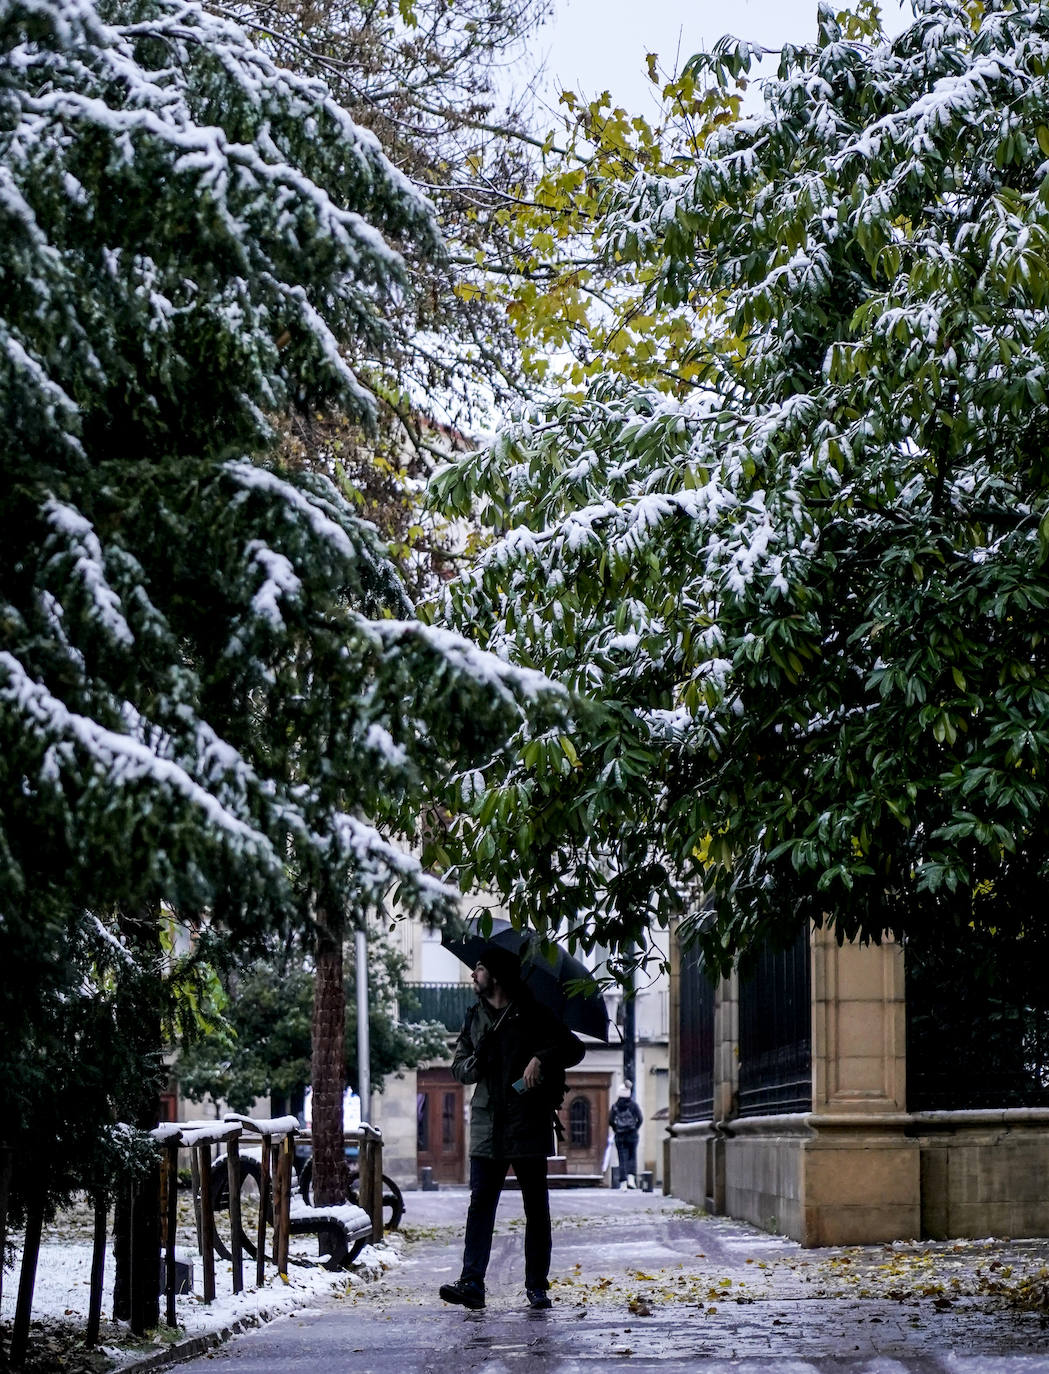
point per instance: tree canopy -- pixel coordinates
(260, 1045)
(804, 602)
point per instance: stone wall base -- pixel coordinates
(856, 1180)
(764, 1174)
(687, 1165)
(984, 1173)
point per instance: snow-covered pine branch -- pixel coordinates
(209, 670)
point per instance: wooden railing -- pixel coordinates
(277, 1182)
(276, 1141)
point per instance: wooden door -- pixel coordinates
(584, 1116)
(441, 1143)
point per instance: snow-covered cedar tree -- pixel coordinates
(421, 76)
(212, 690)
(810, 598)
(438, 86)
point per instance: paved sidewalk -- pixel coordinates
(647, 1282)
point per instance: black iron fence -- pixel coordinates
(443, 1002)
(775, 1032)
(977, 1022)
(696, 1045)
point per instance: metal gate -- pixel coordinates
(775, 1032)
(696, 1052)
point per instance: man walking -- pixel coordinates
(516, 1052)
(625, 1119)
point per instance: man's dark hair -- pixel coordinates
(503, 965)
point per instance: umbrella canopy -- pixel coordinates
(546, 974)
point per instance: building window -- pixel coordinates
(448, 1120)
(580, 1130)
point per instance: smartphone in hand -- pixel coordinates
(520, 1086)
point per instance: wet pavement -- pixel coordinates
(644, 1281)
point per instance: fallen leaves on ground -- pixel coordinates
(938, 1273)
(55, 1348)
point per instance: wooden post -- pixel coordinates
(276, 1184)
(264, 1203)
(287, 1183)
(170, 1214)
(378, 1221)
(371, 1178)
(283, 1224)
(207, 1221)
(233, 1175)
(98, 1264)
(282, 1183)
(364, 1172)
(26, 1283)
(194, 1172)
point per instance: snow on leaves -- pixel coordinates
(210, 686)
(829, 555)
(117, 119)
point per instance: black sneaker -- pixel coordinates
(538, 1299)
(465, 1294)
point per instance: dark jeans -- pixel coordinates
(487, 1177)
(626, 1147)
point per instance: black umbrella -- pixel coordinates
(546, 973)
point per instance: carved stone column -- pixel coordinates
(861, 1170)
(726, 1085)
(859, 1050)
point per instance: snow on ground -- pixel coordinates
(63, 1277)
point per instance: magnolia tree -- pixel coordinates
(803, 606)
(262, 1047)
(213, 695)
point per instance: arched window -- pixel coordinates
(580, 1129)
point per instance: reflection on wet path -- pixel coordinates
(649, 1283)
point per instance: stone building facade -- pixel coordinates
(840, 1159)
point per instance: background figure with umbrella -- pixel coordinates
(514, 1048)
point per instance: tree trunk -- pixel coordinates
(27, 1280)
(136, 1237)
(5, 1189)
(98, 1262)
(329, 1063)
(122, 1255)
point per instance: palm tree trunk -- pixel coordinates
(329, 1063)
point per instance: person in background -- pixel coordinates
(516, 1052)
(625, 1119)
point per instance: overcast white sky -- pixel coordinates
(596, 45)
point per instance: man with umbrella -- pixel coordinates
(516, 1052)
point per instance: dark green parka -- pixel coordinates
(492, 1051)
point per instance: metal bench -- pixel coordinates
(342, 1232)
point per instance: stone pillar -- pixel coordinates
(726, 1048)
(726, 1085)
(859, 1027)
(394, 1110)
(673, 1029)
(860, 1171)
